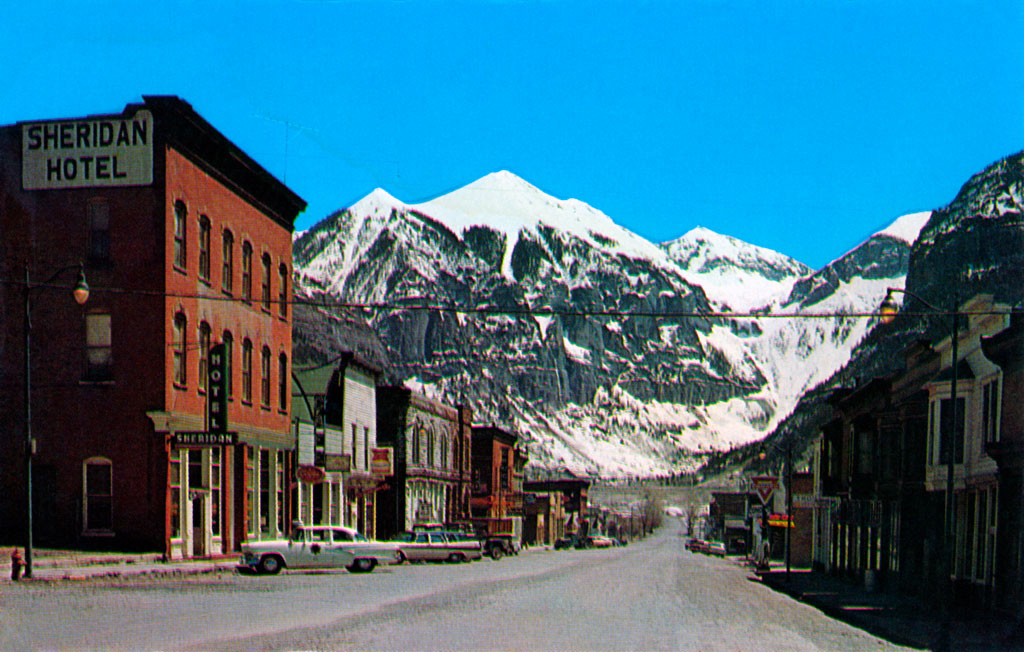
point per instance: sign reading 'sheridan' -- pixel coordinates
(109, 151)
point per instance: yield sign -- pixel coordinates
(765, 486)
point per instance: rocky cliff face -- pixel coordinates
(608, 353)
(973, 245)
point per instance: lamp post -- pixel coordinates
(888, 311)
(81, 295)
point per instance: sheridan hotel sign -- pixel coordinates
(87, 153)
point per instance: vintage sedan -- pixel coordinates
(437, 545)
(319, 546)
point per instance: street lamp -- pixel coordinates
(81, 295)
(888, 311)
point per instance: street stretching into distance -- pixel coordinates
(649, 595)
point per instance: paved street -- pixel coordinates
(651, 595)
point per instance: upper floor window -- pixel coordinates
(180, 233)
(204, 355)
(282, 290)
(99, 230)
(228, 255)
(944, 438)
(282, 382)
(265, 282)
(247, 271)
(247, 370)
(204, 248)
(97, 493)
(180, 354)
(265, 376)
(444, 452)
(990, 411)
(229, 346)
(98, 351)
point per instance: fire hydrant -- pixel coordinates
(17, 563)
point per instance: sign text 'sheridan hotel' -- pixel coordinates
(88, 153)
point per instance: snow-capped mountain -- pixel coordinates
(608, 353)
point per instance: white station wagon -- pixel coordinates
(319, 546)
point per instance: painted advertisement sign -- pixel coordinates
(108, 151)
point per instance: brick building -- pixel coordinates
(431, 443)
(186, 243)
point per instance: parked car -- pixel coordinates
(598, 541)
(567, 543)
(697, 545)
(319, 546)
(495, 544)
(437, 546)
(716, 548)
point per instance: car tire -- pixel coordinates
(361, 565)
(496, 552)
(271, 564)
(401, 558)
(456, 558)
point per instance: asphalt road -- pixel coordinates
(650, 595)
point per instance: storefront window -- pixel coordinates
(279, 489)
(215, 485)
(264, 490)
(250, 487)
(175, 484)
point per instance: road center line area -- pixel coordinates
(651, 595)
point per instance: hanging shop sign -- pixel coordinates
(311, 474)
(765, 485)
(381, 461)
(337, 463)
(98, 152)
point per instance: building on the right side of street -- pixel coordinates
(882, 465)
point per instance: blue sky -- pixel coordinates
(799, 126)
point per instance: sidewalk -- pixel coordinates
(58, 565)
(901, 619)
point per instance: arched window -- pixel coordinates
(282, 290)
(247, 271)
(180, 235)
(444, 452)
(97, 495)
(229, 354)
(227, 277)
(265, 283)
(180, 354)
(431, 442)
(282, 382)
(204, 355)
(265, 376)
(247, 370)
(204, 248)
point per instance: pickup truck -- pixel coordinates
(494, 544)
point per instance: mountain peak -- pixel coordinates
(378, 202)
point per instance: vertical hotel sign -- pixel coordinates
(112, 151)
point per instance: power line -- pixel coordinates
(516, 311)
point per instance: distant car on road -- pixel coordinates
(319, 546)
(697, 545)
(598, 541)
(716, 548)
(437, 545)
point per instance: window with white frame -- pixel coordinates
(246, 371)
(98, 349)
(990, 411)
(97, 493)
(174, 481)
(204, 248)
(204, 356)
(265, 376)
(282, 290)
(246, 271)
(180, 235)
(227, 277)
(180, 355)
